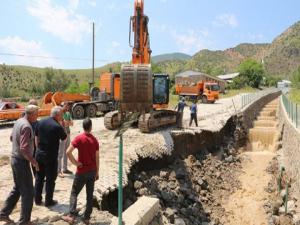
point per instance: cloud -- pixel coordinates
(191, 40)
(187, 40)
(60, 21)
(73, 4)
(92, 3)
(115, 49)
(226, 20)
(17, 45)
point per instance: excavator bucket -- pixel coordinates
(136, 88)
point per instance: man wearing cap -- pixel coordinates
(63, 145)
(180, 108)
(22, 138)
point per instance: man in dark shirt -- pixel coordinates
(87, 169)
(48, 133)
(180, 108)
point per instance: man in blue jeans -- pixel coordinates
(87, 170)
(22, 138)
(194, 110)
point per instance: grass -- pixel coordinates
(173, 100)
(233, 92)
(294, 95)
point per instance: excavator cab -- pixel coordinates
(160, 89)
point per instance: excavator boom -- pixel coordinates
(139, 26)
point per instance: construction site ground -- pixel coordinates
(136, 145)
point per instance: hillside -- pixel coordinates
(284, 55)
(170, 57)
(281, 57)
(25, 81)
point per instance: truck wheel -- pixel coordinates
(91, 110)
(204, 99)
(78, 112)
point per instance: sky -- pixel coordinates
(58, 33)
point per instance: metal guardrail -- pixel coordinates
(292, 109)
(247, 99)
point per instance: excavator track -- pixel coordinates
(111, 120)
(156, 119)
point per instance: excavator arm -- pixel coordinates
(141, 51)
(136, 89)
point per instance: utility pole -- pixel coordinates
(93, 78)
(92, 81)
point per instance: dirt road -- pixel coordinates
(245, 206)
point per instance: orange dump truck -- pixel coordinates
(206, 91)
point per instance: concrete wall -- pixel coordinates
(291, 149)
(249, 114)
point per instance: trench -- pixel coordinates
(203, 174)
(251, 198)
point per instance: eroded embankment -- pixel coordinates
(190, 185)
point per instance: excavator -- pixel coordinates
(141, 91)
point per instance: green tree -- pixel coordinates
(251, 73)
(296, 78)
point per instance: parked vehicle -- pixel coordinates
(207, 92)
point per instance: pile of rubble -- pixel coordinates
(275, 208)
(190, 189)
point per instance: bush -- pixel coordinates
(296, 78)
(251, 74)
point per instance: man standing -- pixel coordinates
(22, 138)
(47, 134)
(180, 108)
(87, 169)
(63, 145)
(193, 109)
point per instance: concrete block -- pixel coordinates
(142, 212)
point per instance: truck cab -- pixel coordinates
(210, 92)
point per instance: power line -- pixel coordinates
(51, 57)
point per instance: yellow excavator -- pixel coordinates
(141, 91)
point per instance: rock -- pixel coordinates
(163, 174)
(275, 220)
(202, 183)
(275, 208)
(285, 219)
(229, 159)
(54, 218)
(170, 215)
(179, 221)
(44, 220)
(296, 219)
(137, 185)
(61, 222)
(180, 173)
(143, 191)
(291, 207)
(172, 176)
(166, 196)
(282, 194)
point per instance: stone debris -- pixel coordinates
(190, 189)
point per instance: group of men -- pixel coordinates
(43, 144)
(180, 109)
